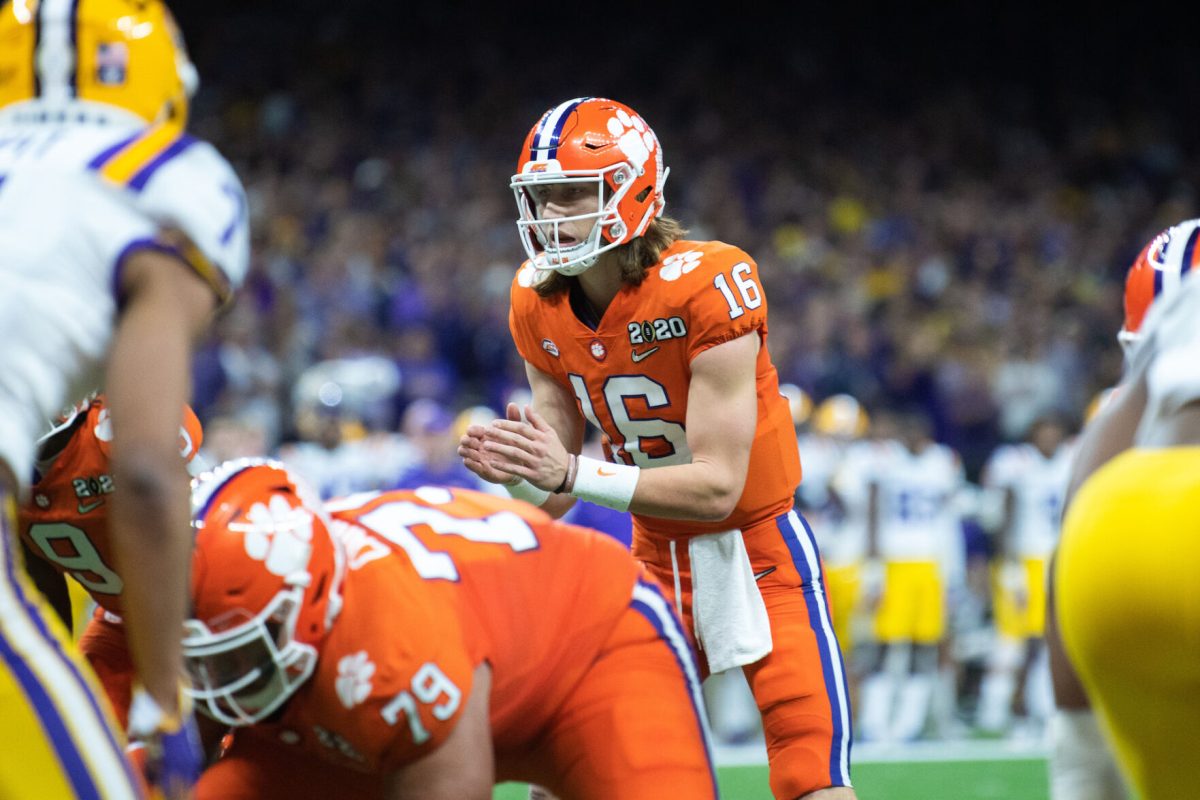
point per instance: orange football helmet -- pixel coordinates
(265, 588)
(1158, 269)
(594, 141)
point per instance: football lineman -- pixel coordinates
(120, 235)
(427, 644)
(64, 527)
(1125, 571)
(1081, 765)
(660, 342)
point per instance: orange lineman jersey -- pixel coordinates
(439, 581)
(65, 520)
(631, 375)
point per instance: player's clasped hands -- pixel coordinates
(516, 447)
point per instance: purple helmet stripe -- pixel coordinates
(545, 141)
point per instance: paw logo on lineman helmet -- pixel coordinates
(265, 588)
(594, 141)
(840, 415)
(1158, 270)
(74, 54)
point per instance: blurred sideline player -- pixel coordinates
(913, 531)
(120, 235)
(837, 423)
(661, 343)
(1031, 478)
(384, 646)
(64, 527)
(1081, 764)
(1131, 522)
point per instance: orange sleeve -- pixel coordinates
(536, 346)
(412, 661)
(721, 296)
(426, 710)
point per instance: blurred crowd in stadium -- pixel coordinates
(955, 253)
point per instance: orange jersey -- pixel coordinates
(631, 374)
(65, 520)
(439, 581)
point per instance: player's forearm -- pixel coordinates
(700, 491)
(148, 383)
(150, 529)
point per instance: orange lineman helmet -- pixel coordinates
(1158, 270)
(599, 142)
(265, 588)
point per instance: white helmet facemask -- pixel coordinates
(243, 674)
(540, 237)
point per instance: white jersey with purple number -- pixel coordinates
(75, 200)
(1039, 484)
(918, 517)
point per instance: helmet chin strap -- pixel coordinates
(582, 265)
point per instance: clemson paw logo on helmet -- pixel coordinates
(676, 266)
(636, 141)
(279, 535)
(353, 684)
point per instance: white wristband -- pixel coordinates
(605, 484)
(524, 490)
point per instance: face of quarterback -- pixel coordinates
(563, 201)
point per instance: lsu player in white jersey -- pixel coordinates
(1030, 479)
(119, 237)
(1081, 764)
(1125, 571)
(837, 423)
(914, 551)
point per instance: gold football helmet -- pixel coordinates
(841, 415)
(123, 53)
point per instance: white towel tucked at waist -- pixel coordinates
(728, 612)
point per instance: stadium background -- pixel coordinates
(942, 201)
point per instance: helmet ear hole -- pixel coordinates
(642, 195)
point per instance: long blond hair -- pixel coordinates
(635, 257)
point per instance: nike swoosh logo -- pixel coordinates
(760, 575)
(636, 356)
(83, 509)
(603, 473)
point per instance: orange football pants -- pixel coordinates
(632, 729)
(800, 686)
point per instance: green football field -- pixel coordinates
(995, 773)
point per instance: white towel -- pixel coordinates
(728, 612)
